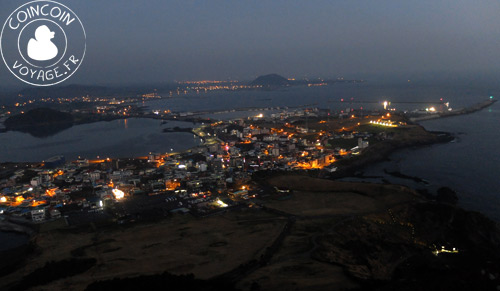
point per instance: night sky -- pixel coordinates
(131, 41)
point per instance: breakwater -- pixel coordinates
(467, 110)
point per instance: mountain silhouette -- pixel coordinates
(271, 80)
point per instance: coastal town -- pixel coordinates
(276, 171)
(214, 177)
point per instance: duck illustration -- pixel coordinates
(41, 48)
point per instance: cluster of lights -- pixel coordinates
(151, 95)
(204, 82)
(226, 87)
(119, 194)
(220, 203)
(383, 123)
(444, 250)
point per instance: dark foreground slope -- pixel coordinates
(326, 235)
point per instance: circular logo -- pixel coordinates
(43, 43)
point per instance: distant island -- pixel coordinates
(270, 81)
(273, 81)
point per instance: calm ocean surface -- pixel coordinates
(470, 165)
(459, 95)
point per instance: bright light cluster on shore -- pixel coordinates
(220, 203)
(118, 194)
(383, 123)
(444, 250)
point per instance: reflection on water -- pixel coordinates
(118, 138)
(44, 131)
